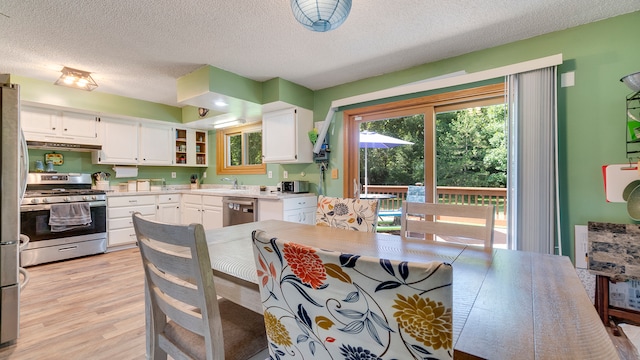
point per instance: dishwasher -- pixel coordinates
(239, 210)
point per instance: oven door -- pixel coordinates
(34, 222)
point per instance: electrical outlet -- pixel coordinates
(204, 174)
(270, 174)
(173, 174)
(334, 173)
(285, 174)
(581, 243)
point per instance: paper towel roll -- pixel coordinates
(125, 171)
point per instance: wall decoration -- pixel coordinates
(57, 159)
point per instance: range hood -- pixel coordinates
(55, 145)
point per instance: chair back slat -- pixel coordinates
(445, 229)
(182, 315)
(422, 220)
(183, 291)
(321, 304)
(176, 264)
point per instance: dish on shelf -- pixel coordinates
(633, 204)
(629, 188)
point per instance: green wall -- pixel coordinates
(591, 114)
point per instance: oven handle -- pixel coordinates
(41, 207)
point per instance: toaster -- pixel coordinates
(295, 186)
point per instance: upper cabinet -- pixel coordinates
(119, 142)
(190, 147)
(155, 144)
(284, 136)
(42, 124)
(129, 142)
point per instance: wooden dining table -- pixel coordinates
(506, 304)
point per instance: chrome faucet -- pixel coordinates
(234, 180)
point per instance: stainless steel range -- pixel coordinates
(63, 217)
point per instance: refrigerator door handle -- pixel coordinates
(25, 277)
(24, 241)
(25, 165)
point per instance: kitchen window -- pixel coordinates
(239, 150)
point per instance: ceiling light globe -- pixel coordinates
(321, 15)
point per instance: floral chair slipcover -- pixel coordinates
(320, 304)
(347, 213)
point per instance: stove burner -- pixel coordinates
(63, 192)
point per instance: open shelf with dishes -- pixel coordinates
(190, 147)
(181, 146)
(201, 147)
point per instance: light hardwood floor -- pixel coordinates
(93, 308)
(86, 308)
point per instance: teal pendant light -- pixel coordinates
(321, 15)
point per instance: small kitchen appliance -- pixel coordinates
(295, 186)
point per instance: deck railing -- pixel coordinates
(448, 195)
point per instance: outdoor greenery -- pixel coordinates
(252, 145)
(470, 149)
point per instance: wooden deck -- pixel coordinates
(447, 195)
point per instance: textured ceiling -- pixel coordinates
(139, 48)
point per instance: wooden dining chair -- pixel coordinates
(347, 213)
(186, 319)
(320, 304)
(456, 223)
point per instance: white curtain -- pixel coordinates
(532, 173)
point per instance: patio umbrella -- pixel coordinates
(373, 140)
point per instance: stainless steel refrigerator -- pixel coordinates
(12, 181)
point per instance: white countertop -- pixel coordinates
(249, 192)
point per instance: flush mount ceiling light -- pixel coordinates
(227, 123)
(76, 79)
(321, 15)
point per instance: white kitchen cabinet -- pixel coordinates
(284, 136)
(155, 144)
(300, 209)
(202, 209)
(120, 230)
(119, 139)
(168, 208)
(43, 124)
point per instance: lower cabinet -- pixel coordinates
(191, 208)
(168, 209)
(119, 211)
(202, 209)
(299, 209)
